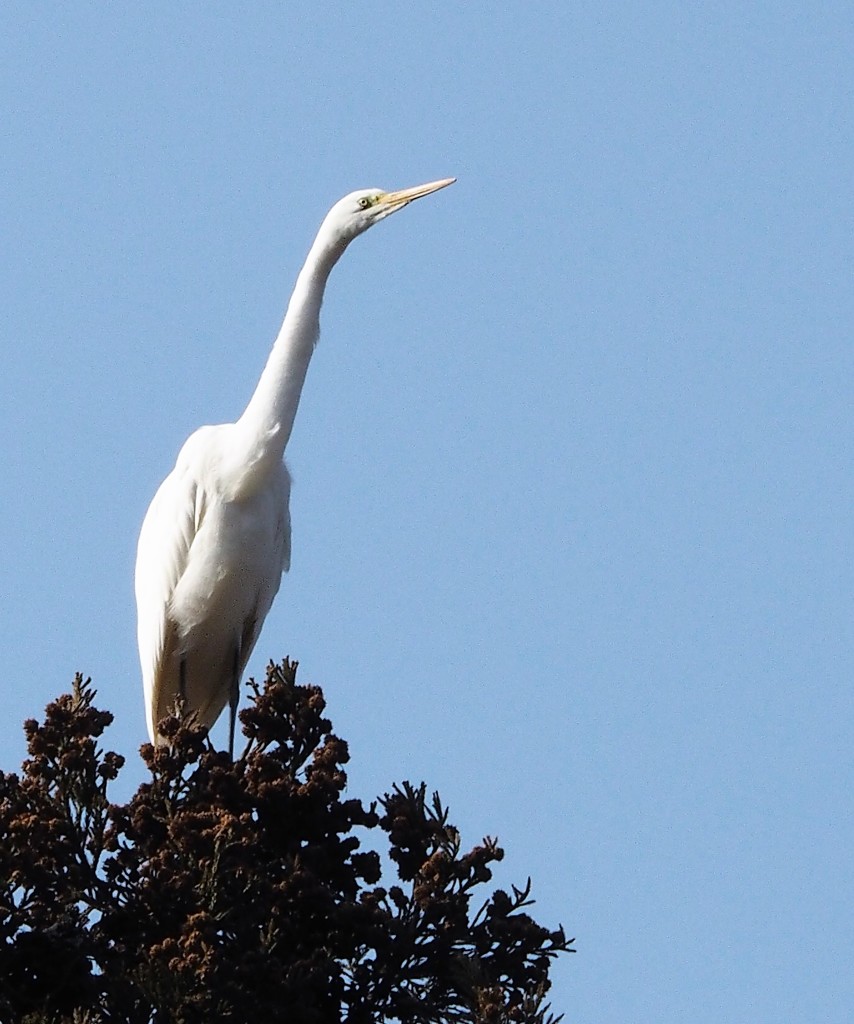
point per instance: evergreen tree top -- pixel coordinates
(241, 891)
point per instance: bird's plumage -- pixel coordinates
(217, 535)
(205, 584)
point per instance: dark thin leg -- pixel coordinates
(234, 697)
(182, 680)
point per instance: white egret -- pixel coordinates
(217, 536)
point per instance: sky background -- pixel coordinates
(573, 488)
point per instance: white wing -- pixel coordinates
(167, 534)
(209, 563)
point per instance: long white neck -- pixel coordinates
(265, 426)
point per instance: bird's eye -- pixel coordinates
(365, 202)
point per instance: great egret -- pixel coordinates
(217, 536)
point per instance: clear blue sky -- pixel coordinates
(573, 466)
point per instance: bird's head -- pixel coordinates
(359, 210)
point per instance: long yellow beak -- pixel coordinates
(406, 195)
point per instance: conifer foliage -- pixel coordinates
(242, 891)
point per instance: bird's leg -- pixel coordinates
(233, 698)
(182, 680)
